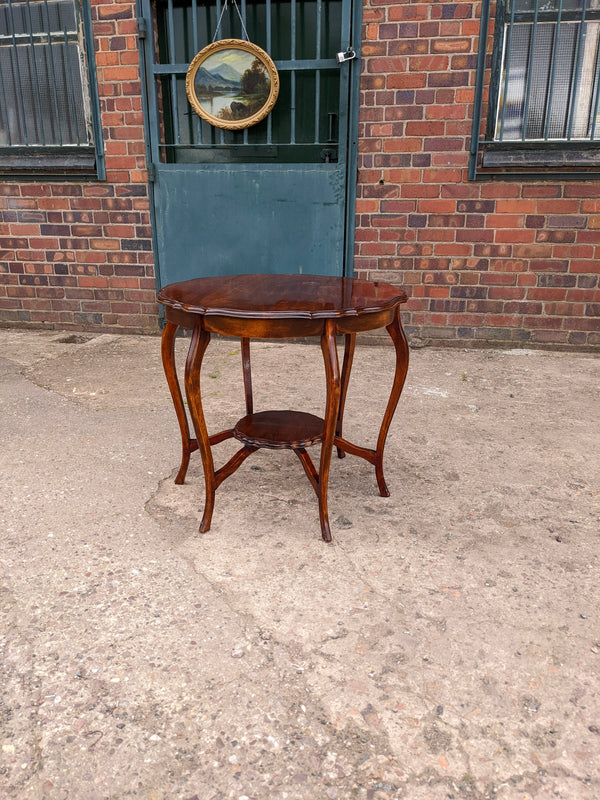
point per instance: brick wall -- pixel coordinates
(488, 262)
(77, 254)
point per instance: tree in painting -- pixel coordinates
(255, 87)
(255, 80)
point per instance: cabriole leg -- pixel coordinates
(399, 338)
(247, 375)
(332, 377)
(168, 360)
(198, 345)
(349, 343)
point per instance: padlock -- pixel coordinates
(347, 56)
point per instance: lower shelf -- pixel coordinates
(294, 430)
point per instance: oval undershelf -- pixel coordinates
(280, 429)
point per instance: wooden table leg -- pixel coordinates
(396, 331)
(198, 345)
(247, 375)
(188, 445)
(349, 344)
(332, 377)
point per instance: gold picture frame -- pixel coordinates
(232, 84)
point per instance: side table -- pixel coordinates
(279, 307)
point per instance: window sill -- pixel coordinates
(540, 161)
(31, 163)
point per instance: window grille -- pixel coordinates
(46, 119)
(543, 110)
(301, 37)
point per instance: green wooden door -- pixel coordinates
(277, 197)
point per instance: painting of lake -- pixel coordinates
(232, 84)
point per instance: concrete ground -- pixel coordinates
(446, 645)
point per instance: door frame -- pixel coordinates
(146, 54)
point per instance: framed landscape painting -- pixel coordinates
(232, 84)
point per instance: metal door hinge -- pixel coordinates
(347, 56)
(151, 173)
(142, 27)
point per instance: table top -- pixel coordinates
(281, 296)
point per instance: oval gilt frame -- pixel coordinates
(236, 51)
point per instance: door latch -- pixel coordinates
(347, 56)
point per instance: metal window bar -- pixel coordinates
(478, 99)
(43, 87)
(293, 73)
(173, 81)
(35, 77)
(575, 81)
(17, 71)
(269, 33)
(71, 90)
(50, 52)
(6, 127)
(528, 90)
(196, 47)
(319, 11)
(597, 97)
(209, 27)
(218, 132)
(245, 21)
(554, 59)
(507, 55)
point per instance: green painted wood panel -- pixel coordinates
(274, 198)
(241, 218)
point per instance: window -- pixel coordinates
(543, 110)
(49, 114)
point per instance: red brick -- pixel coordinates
(436, 234)
(549, 337)
(583, 295)
(582, 324)
(94, 282)
(526, 280)
(516, 207)
(474, 235)
(504, 320)
(586, 266)
(506, 293)
(545, 190)
(514, 235)
(104, 244)
(451, 46)
(563, 309)
(377, 249)
(498, 278)
(467, 320)
(588, 189)
(504, 191)
(549, 323)
(505, 221)
(555, 236)
(446, 112)
(404, 80)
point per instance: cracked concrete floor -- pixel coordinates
(446, 645)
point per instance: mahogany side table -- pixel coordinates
(279, 307)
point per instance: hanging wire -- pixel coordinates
(225, 4)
